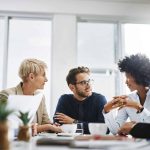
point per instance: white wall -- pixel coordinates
(64, 14)
(63, 53)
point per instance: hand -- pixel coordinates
(57, 124)
(120, 102)
(126, 128)
(130, 103)
(57, 128)
(48, 127)
(115, 103)
(62, 118)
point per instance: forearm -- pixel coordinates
(45, 127)
(107, 107)
(111, 123)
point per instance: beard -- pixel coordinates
(83, 94)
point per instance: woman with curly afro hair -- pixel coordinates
(136, 105)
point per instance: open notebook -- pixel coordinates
(23, 103)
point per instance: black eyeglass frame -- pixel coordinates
(85, 82)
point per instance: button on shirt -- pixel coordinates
(114, 123)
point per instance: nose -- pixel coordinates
(126, 82)
(45, 79)
(88, 83)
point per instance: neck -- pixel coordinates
(27, 89)
(142, 94)
(79, 98)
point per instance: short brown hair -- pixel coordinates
(71, 77)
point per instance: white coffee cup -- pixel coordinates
(97, 128)
(69, 128)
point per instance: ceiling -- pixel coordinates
(127, 1)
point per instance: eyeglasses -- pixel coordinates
(85, 82)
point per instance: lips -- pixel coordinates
(88, 90)
(128, 86)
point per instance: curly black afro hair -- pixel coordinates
(138, 66)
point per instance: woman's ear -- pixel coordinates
(31, 76)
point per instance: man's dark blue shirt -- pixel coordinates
(88, 110)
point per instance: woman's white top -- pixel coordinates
(114, 123)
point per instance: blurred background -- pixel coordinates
(71, 33)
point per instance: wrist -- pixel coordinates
(106, 109)
(133, 125)
(140, 108)
(75, 121)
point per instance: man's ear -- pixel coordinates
(71, 86)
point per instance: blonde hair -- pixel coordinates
(28, 66)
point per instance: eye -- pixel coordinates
(83, 82)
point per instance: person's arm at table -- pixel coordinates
(137, 130)
(141, 130)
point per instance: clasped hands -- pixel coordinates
(120, 102)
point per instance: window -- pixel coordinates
(28, 39)
(96, 44)
(1, 49)
(96, 50)
(136, 39)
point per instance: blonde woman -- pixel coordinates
(33, 75)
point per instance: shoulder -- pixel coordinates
(99, 98)
(133, 95)
(65, 97)
(14, 90)
(98, 95)
(9, 91)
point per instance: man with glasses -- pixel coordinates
(83, 106)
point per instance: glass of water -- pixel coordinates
(80, 128)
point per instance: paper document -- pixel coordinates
(23, 103)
